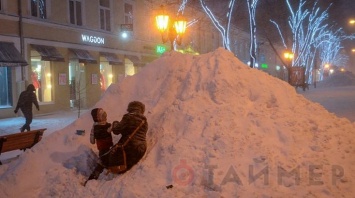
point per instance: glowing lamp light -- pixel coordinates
(124, 35)
(326, 66)
(171, 29)
(288, 55)
(162, 20)
(180, 25)
(110, 75)
(49, 75)
(352, 21)
(49, 86)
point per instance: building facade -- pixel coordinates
(72, 50)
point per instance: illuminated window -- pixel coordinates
(5, 87)
(75, 12)
(38, 8)
(41, 78)
(106, 76)
(105, 15)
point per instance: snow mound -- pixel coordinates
(217, 128)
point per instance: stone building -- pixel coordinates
(72, 50)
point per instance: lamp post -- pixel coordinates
(171, 29)
(289, 57)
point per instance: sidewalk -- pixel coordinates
(52, 122)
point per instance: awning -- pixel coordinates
(9, 56)
(83, 56)
(112, 58)
(135, 60)
(48, 53)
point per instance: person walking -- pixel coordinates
(25, 101)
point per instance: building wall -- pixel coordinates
(57, 31)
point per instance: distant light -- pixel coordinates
(278, 67)
(352, 21)
(264, 66)
(353, 50)
(110, 76)
(124, 35)
(331, 71)
(342, 70)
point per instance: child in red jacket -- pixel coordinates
(101, 135)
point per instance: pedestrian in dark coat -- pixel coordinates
(137, 145)
(25, 101)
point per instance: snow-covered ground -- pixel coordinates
(217, 128)
(339, 100)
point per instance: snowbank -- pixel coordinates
(217, 128)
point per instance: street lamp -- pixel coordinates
(289, 57)
(352, 21)
(170, 29)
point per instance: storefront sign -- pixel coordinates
(94, 79)
(127, 27)
(92, 39)
(62, 79)
(160, 49)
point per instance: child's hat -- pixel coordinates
(94, 114)
(98, 115)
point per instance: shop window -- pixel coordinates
(41, 78)
(105, 15)
(106, 76)
(5, 87)
(77, 84)
(39, 9)
(75, 11)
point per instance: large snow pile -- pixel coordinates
(217, 128)
(338, 79)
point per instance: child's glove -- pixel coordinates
(115, 124)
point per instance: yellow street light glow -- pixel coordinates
(288, 55)
(353, 50)
(49, 86)
(352, 21)
(326, 66)
(110, 75)
(180, 25)
(162, 20)
(49, 75)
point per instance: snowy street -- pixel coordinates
(338, 100)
